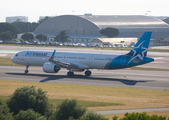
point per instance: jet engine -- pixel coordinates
(50, 67)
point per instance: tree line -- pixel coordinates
(27, 103)
(9, 31)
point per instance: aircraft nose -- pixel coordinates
(12, 59)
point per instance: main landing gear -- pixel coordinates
(88, 73)
(71, 73)
(26, 71)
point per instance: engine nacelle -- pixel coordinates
(50, 67)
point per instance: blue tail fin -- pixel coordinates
(141, 47)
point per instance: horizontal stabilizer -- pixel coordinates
(158, 58)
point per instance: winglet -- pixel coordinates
(52, 56)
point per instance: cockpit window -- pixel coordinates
(16, 55)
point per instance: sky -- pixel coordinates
(33, 9)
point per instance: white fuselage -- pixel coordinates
(38, 58)
(53, 61)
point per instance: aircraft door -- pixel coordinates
(22, 56)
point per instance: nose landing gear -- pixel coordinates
(26, 71)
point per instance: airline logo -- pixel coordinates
(139, 52)
(28, 54)
(36, 54)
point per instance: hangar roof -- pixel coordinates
(90, 25)
(125, 21)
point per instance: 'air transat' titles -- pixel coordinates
(34, 54)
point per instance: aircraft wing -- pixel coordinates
(64, 64)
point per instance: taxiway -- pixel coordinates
(117, 78)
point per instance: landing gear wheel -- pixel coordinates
(88, 73)
(26, 71)
(70, 74)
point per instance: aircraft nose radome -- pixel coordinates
(12, 59)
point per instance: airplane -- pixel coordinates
(52, 62)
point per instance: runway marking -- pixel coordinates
(8, 51)
(3, 55)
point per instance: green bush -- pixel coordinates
(141, 116)
(4, 112)
(115, 118)
(28, 98)
(21, 40)
(109, 32)
(68, 108)
(9, 42)
(94, 116)
(27, 36)
(29, 115)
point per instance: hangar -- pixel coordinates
(85, 28)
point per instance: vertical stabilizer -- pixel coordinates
(141, 47)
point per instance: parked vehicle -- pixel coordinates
(18, 42)
(32, 43)
(25, 42)
(43, 43)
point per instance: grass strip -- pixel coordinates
(7, 62)
(55, 102)
(94, 97)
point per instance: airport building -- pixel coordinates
(86, 28)
(16, 18)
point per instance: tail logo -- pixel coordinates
(138, 51)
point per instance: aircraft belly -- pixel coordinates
(98, 65)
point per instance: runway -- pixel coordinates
(158, 80)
